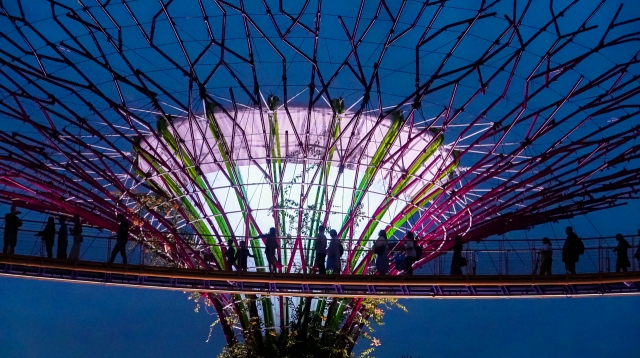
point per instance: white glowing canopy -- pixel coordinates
(282, 159)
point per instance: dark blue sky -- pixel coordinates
(45, 319)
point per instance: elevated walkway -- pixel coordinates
(288, 284)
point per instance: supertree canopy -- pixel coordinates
(209, 120)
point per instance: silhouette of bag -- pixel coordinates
(463, 261)
(378, 249)
(580, 247)
(418, 249)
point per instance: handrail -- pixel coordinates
(330, 279)
(312, 237)
(309, 285)
(488, 256)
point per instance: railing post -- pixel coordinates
(633, 253)
(475, 262)
(600, 258)
(500, 254)
(506, 262)
(108, 248)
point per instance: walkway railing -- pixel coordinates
(487, 257)
(292, 284)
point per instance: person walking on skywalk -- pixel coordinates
(321, 250)
(271, 246)
(571, 251)
(457, 260)
(242, 256)
(230, 255)
(121, 240)
(49, 235)
(412, 252)
(623, 259)
(63, 238)
(11, 225)
(381, 249)
(335, 252)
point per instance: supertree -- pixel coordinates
(209, 120)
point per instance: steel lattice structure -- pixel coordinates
(206, 120)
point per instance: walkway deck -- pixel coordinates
(418, 286)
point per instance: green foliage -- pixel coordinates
(309, 334)
(155, 251)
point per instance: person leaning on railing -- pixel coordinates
(48, 235)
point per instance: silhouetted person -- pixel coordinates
(76, 233)
(122, 236)
(63, 238)
(49, 235)
(410, 252)
(381, 249)
(456, 260)
(546, 257)
(321, 250)
(242, 256)
(571, 251)
(230, 255)
(335, 252)
(271, 246)
(622, 262)
(11, 225)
